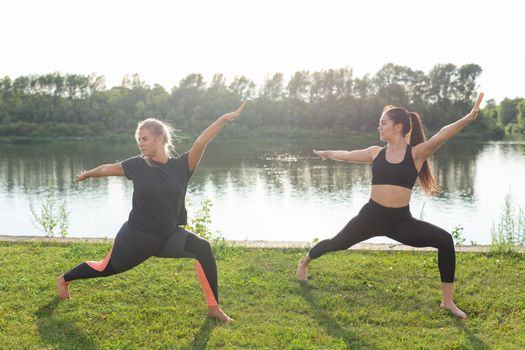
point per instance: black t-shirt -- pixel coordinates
(159, 192)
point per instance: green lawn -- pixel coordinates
(354, 300)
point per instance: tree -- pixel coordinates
(5, 86)
(491, 110)
(274, 87)
(442, 78)
(508, 111)
(218, 81)
(193, 81)
(521, 113)
(243, 87)
(344, 82)
(75, 104)
(390, 83)
(363, 87)
(298, 86)
(465, 85)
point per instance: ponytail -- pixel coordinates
(417, 133)
(426, 179)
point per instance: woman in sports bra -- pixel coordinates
(395, 169)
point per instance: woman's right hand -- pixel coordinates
(233, 115)
(321, 154)
(474, 112)
(81, 177)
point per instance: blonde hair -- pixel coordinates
(158, 129)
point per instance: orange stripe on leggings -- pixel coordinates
(208, 293)
(100, 265)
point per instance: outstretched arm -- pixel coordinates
(425, 149)
(197, 150)
(366, 155)
(103, 170)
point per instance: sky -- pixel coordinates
(164, 41)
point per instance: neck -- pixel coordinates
(159, 157)
(397, 144)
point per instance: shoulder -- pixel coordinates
(418, 150)
(133, 166)
(181, 164)
(374, 151)
(180, 160)
(132, 163)
(134, 160)
(181, 156)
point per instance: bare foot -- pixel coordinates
(216, 312)
(302, 271)
(63, 288)
(454, 309)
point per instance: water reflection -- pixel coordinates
(455, 167)
(285, 185)
(33, 168)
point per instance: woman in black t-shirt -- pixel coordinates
(154, 224)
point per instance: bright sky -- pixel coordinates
(164, 41)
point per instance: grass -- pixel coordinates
(354, 300)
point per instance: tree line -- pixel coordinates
(66, 105)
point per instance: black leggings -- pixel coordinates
(132, 247)
(398, 224)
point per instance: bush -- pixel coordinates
(457, 235)
(52, 215)
(509, 232)
(199, 223)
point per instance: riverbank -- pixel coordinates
(258, 136)
(478, 248)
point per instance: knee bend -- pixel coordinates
(198, 245)
(446, 241)
(109, 270)
(325, 246)
(336, 244)
(204, 245)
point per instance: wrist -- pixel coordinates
(466, 119)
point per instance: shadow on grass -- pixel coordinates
(58, 332)
(474, 341)
(331, 326)
(202, 337)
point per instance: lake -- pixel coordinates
(277, 190)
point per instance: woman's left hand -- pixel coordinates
(81, 177)
(233, 115)
(474, 112)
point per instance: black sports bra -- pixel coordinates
(402, 174)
